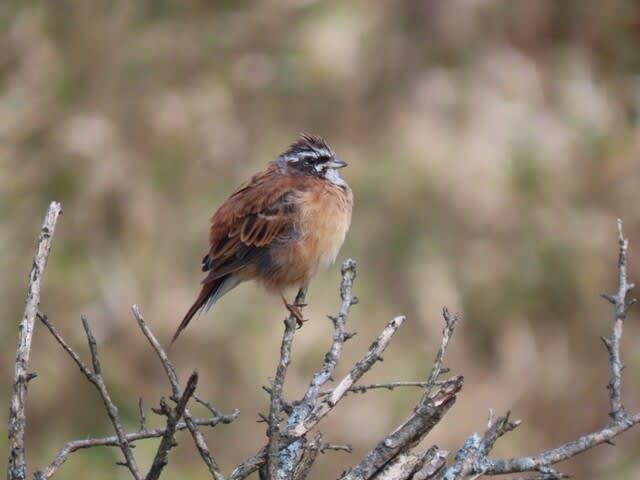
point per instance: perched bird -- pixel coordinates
(278, 228)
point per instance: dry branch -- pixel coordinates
(17, 466)
(275, 403)
(426, 415)
(297, 452)
(95, 378)
(173, 417)
(113, 441)
(472, 460)
(373, 355)
(170, 371)
(288, 453)
(121, 439)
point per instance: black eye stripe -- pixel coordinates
(314, 158)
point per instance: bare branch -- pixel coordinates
(365, 387)
(95, 378)
(472, 459)
(112, 410)
(335, 351)
(74, 356)
(414, 466)
(363, 365)
(250, 465)
(143, 419)
(173, 416)
(112, 441)
(612, 342)
(308, 457)
(337, 448)
(273, 428)
(447, 332)
(170, 371)
(17, 466)
(291, 456)
(426, 415)
(290, 447)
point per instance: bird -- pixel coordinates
(279, 228)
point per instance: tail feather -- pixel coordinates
(210, 292)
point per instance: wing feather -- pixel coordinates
(259, 213)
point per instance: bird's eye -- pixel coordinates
(316, 160)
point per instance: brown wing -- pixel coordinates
(259, 213)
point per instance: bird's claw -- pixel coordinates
(295, 311)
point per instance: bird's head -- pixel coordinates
(310, 155)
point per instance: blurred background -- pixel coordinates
(491, 147)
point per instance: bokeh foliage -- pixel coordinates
(491, 146)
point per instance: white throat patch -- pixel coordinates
(334, 177)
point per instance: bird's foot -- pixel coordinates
(296, 311)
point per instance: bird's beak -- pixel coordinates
(337, 163)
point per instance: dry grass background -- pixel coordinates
(491, 145)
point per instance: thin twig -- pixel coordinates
(143, 419)
(365, 387)
(17, 466)
(612, 342)
(273, 428)
(447, 332)
(95, 378)
(112, 441)
(74, 356)
(173, 416)
(112, 410)
(214, 411)
(362, 366)
(335, 351)
(335, 447)
(170, 371)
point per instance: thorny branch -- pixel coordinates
(17, 465)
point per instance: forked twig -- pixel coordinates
(95, 378)
(170, 371)
(173, 416)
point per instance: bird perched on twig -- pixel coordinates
(279, 227)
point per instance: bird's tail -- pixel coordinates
(211, 291)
